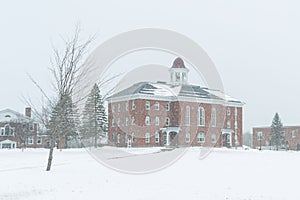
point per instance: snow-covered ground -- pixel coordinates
(223, 174)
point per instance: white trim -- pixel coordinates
(174, 99)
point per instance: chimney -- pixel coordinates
(28, 112)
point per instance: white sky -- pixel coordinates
(255, 44)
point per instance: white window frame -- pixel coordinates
(147, 120)
(167, 121)
(119, 138)
(213, 117)
(259, 135)
(201, 116)
(126, 121)
(147, 105)
(156, 137)
(39, 140)
(294, 133)
(187, 115)
(187, 138)
(228, 111)
(132, 120)
(167, 106)
(119, 121)
(157, 121)
(126, 138)
(30, 140)
(113, 122)
(126, 106)
(132, 137)
(201, 137)
(147, 138)
(156, 106)
(133, 106)
(228, 124)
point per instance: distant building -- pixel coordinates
(174, 114)
(20, 131)
(262, 137)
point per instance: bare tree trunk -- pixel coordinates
(50, 157)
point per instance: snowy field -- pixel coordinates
(224, 174)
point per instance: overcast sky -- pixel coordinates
(255, 44)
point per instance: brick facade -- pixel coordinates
(292, 137)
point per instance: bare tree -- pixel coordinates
(65, 68)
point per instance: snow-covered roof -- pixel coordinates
(7, 141)
(163, 89)
(8, 115)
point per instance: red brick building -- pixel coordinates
(262, 137)
(174, 113)
(20, 131)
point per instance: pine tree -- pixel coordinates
(277, 138)
(94, 120)
(64, 120)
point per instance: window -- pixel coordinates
(126, 138)
(147, 120)
(236, 141)
(167, 121)
(156, 137)
(132, 120)
(126, 106)
(157, 121)
(113, 138)
(30, 140)
(147, 138)
(31, 127)
(2, 131)
(133, 105)
(235, 125)
(259, 135)
(228, 111)
(147, 105)
(235, 111)
(132, 137)
(294, 134)
(283, 133)
(201, 116)
(168, 107)
(8, 130)
(39, 140)
(119, 138)
(187, 137)
(119, 107)
(187, 115)
(112, 122)
(201, 138)
(213, 138)
(228, 124)
(213, 117)
(126, 121)
(156, 106)
(113, 108)
(119, 121)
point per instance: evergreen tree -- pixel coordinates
(94, 120)
(64, 120)
(277, 138)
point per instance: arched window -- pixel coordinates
(187, 115)
(147, 120)
(201, 137)
(213, 117)
(201, 116)
(147, 105)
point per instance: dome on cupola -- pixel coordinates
(178, 63)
